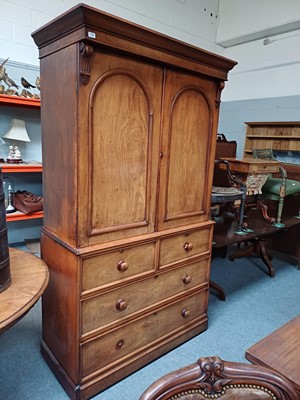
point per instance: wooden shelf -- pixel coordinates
(273, 123)
(18, 216)
(16, 168)
(284, 137)
(21, 168)
(19, 101)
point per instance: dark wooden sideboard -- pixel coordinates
(129, 121)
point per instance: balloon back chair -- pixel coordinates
(230, 194)
(213, 378)
(277, 188)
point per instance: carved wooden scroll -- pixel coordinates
(220, 87)
(85, 55)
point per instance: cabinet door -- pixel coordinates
(189, 124)
(121, 126)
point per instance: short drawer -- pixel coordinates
(128, 340)
(269, 168)
(117, 265)
(108, 307)
(179, 247)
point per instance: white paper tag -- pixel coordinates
(92, 35)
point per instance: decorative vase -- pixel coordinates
(9, 192)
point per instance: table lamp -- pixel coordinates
(16, 132)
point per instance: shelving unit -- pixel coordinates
(32, 167)
(18, 101)
(283, 136)
(22, 168)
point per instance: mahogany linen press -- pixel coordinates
(129, 127)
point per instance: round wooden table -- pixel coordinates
(29, 279)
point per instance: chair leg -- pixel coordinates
(242, 210)
(281, 201)
(280, 208)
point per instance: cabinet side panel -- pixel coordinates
(59, 144)
(60, 310)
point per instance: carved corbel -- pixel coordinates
(85, 54)
(220, 87)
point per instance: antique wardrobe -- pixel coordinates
(129, 125)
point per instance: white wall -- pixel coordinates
(193, 21)
(265, 71)
(264, 37)
(241, 21)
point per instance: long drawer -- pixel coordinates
(139, 334)
(179, 247)
(116, 304)
(112, 267)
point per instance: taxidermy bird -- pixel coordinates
(26, 84)
(10, 82)
(2, 70)
(2, 74)
(38, 83)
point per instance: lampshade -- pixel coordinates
(17, 131)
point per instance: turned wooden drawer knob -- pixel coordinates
(188, 246)
(186, 279)
(185, 313)
(119, 344)
(122, 266)
(121, 305)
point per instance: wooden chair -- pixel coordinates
(224, 148)
(226, 192)
(213, 378)
(277, 188)
(227, 189)
(234, 191)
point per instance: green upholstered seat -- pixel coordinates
(277, 188)
(272, 187)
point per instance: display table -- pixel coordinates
(29, 279)
(253, 172)
(280, 351)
